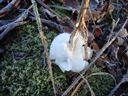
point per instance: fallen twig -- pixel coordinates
(19, 21)
(77, 87)
(44, 42)
(52, 11)
(3, 22)
(92, 63)
(45, 6)
(124, 80)
(51, 24)
(10, 27)
(9, 7)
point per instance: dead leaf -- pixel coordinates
(95, 46)
(97, 31)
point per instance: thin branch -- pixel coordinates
(45, 6)
(44, 42)
(9, 7)
(77, 87)
(51, 24)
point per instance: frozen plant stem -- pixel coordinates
(80, 27)
(44, 42)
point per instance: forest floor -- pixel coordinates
(23, 66)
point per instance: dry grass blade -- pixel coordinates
(44, 42)
(92, 63)
(77, 87)
(90, 89)
(101, 73)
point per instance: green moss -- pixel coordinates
(28, 75)
(101, 85)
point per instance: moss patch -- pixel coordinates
(23, 70)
